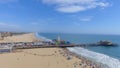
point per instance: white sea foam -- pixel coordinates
(98, 57)
(41, 37)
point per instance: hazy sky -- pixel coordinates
(63, 16)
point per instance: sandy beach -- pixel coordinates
(30, 37)
(40, 57)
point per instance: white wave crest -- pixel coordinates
(43, 38)
(98, 57)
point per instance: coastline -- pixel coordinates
(104, 61)
(43, 57)
(90, 63)
(41, 37)
(85, 60)
(106, 56)
(67, 51)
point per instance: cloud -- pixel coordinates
(6, 26)
(71, 9)
(72, 6)
(34, 23)
(45, 21)
(86, 19)
(9, 27)
(81, 18)
(8, 1)
(76, 23)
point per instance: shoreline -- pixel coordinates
(77, 56)
(85, 60)
(104, 61)
(88, 62)
(54, 55)
(73, 59)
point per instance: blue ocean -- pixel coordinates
(109, 56)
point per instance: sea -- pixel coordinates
(108, 56)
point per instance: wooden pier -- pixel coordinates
(30, 45)
(43, 46)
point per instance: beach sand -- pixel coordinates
(40, 58)
(30, 37)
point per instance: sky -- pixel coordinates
(61, 16)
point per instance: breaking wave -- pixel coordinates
(41, 37)
(97, 57)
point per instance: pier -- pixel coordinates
(30, 45)
(45, 46)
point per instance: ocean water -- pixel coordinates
(109, 56)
